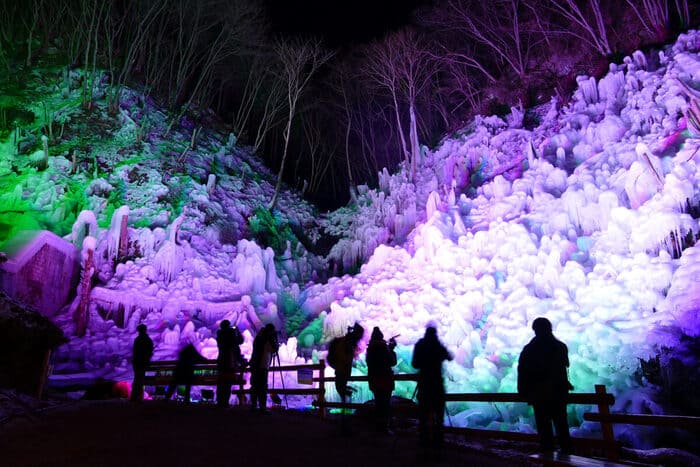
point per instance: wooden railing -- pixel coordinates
(161, 373)
(607, 420)
(602, 399)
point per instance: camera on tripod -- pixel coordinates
(273, 339)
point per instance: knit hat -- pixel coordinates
(542, 327)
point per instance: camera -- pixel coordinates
(274, 339)
(392, 342)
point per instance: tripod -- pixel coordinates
(273, 396)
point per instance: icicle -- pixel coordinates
(515, 119)
(231, 143)
(384, 180)
(114, 237)
(640, 60)
(531, 153)
(86, 219)
(169, 261)
(561, 157)
(272, 282)
(433, 204)
(211, 183)
(175, 226)
(451, 197)
(588, 88)
(459, 227)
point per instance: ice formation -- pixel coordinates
(599, 250)
(584, 219)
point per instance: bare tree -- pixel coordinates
(590, 22)
(654, 15)
(215, 31)
(216, 53)
(346, 84)
(271, 115)
(400, 66)
(134, 40)
(496, 25)
(249, 95)
(30, 23)
(261, 100)
(90, 22)
(462, 89)
(320, 157)
(8, 11)
(74, 34)
(370, 118)
(301, 59)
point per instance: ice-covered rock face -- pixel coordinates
(594, 236)
(582, 220)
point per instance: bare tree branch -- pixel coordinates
(300, 59)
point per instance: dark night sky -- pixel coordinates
(340, 22)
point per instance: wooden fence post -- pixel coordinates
(322, 387)
(43, 375)
(241, 388)
(605, 425)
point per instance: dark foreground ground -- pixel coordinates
(155, 433)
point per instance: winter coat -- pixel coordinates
(264, 347)
(228, 341)
(143, 351)
(380, 359)
(542, 370)
(428, 356)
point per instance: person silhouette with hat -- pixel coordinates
(428, 355)
(544, 382)
(380, 358)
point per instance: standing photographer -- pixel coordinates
(228, 340)
(428, 355)
(265, 346)
(380, 358)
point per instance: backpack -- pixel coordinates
(334, 351)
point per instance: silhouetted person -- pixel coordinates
(428, 356)
(380, 358)
(142, 353)
(341, 353)
(229, 361)
(543, 381)
(184, 371)
(265, 346)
